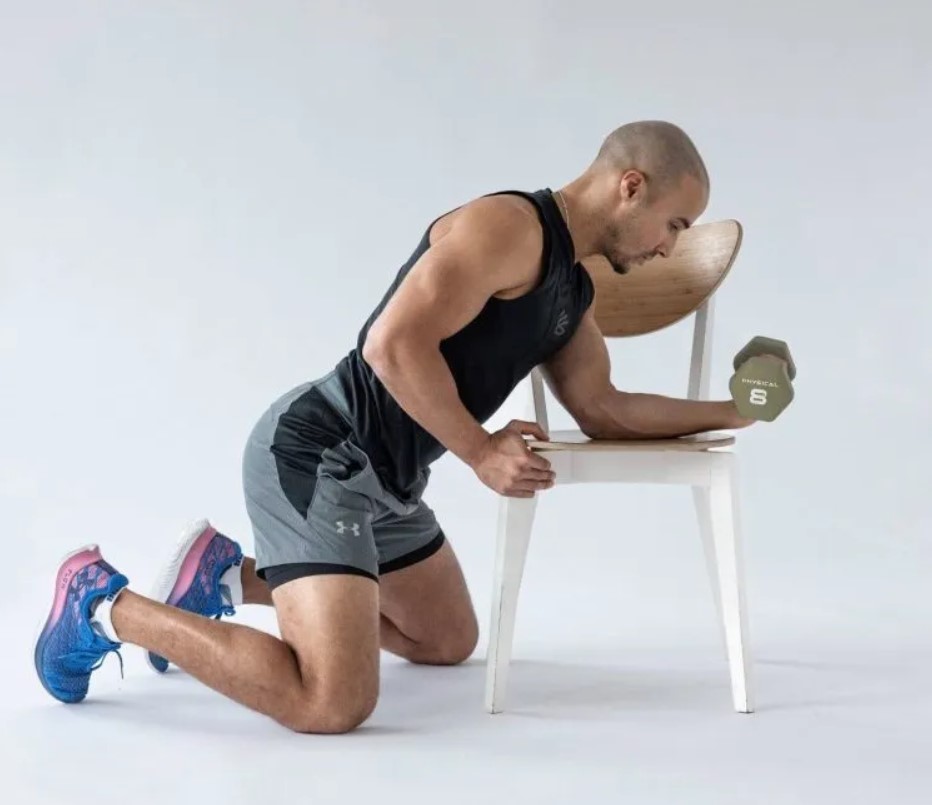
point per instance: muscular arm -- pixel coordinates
(491, 246)
(579, 377)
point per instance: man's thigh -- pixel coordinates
(331, 622)
(430, 604)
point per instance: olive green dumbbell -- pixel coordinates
(762, 383)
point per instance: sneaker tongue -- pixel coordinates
(227, 607)
(231, 584)
(101, 617)
(100, 631)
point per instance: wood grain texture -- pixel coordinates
(663, 291)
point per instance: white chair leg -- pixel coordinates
(703, 504)
(515, 519)
(726, 530)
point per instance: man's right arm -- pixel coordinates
(491, 246)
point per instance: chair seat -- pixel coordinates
(577, 440)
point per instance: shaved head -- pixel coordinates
(661, 151)
(646, 185)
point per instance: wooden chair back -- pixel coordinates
(663, 291)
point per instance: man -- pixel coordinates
(347, 551)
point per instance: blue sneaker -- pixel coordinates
(72, 645)
(193, 579)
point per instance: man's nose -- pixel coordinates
(665, 249)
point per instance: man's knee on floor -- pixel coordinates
(453, 647)
(333, 709)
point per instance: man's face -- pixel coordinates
(645, 223)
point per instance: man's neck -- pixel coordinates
(584, 221)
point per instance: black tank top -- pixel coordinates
(487, 358)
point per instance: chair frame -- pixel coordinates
(711, 471)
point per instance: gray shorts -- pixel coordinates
(317, 505)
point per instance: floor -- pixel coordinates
(589, 718)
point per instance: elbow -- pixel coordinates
(593, 420)
(590, 429)
(388, 354)
(381, 355)
(374, 350)
(595, 428)
(608, 417)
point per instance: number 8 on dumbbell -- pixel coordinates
(762, 383)
(758, 397)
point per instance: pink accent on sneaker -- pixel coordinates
(69, 566)
(189, 567)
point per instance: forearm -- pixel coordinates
(419, 379)
(628, 415)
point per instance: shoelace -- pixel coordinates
(84, 661)
(75, 665)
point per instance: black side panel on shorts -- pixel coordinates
(308, 426)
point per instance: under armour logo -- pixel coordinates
(562, 321)
(354, 527)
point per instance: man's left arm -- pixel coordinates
(579, 375)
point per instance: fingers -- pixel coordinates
(524, 485)
(529, 458)
(522, 471)
(529, 429)
(531, 481)
(533, 465)
(526, 490)
(543, 476)
(535, 461)
(531, 488)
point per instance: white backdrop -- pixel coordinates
(202, 202)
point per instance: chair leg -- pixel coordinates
(726, 531)
(703, 503)
(515, 520)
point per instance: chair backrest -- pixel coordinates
(660, 293)
(663, 291)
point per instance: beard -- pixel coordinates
(622, 264)
(620, 261)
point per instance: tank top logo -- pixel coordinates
(562, 321)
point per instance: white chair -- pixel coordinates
(657, 295)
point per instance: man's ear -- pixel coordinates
(633, 185)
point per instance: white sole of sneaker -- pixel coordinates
(168, 575)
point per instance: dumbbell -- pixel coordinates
(762, 383)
